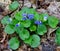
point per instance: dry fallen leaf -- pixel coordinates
(50, 30)
(4, 36)
(1, 17)
(5, 1)
(58, 48)
(54, 9)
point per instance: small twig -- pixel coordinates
(50, 30)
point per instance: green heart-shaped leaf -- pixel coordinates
(18, 29)
(36, 16)
(57, 40)
(5, 20)
(28, 41)
(26, 23)
(18, 16)
(32, 11)
(43, 17)
(58, 32)
(25, 10)
(14, 6)
(14, 43)
(35, 41)
(52, 21)
(9, 29)
(14, 22)
(41, 29)
(33, 28)
(24, 34)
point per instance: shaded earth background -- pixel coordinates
(52, 7)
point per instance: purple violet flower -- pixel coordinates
(30, 16)
(24, 18)
(38, 22)
(24, 14)
(18, 24)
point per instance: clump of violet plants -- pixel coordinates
(28, 24)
